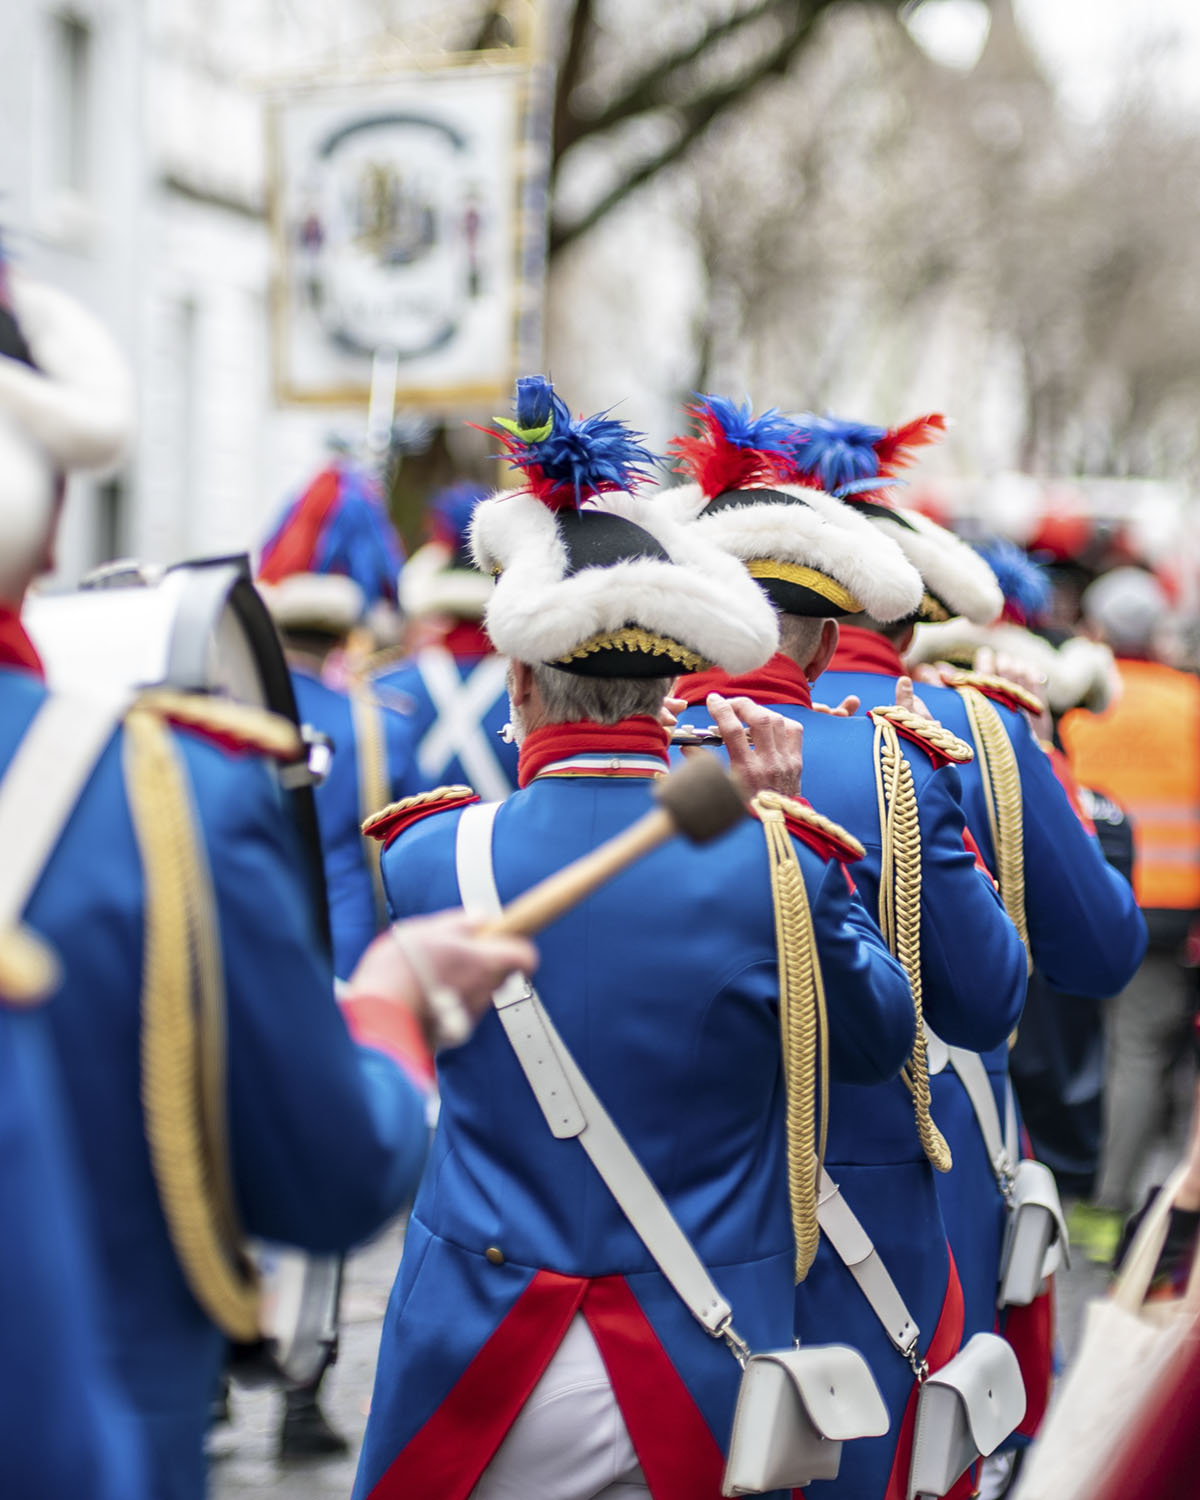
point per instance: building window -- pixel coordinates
(70, 116)
(110, 521)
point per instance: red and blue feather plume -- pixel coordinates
(567, 460)
(848, 458)
(338, 524)
(1024, 582)
(734, 449)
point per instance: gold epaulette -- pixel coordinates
(234, 725)
(818, 831)
(393, 819)
(1001, 689)
(383, 660)
(926, 732)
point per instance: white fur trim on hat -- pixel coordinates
(1078, 674)
(432, 584)
(822, 534)
(74, 411)
(953, 572)
(701, 598)
(328, 602)
(77, 406)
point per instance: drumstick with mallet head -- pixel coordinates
(700, 800)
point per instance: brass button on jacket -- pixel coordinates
(495, 1255)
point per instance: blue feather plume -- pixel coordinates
(1024, 583)
(839, 453)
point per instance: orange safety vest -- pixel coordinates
(1144, 753)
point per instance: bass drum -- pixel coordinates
(202, 627)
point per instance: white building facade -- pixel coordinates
(133, 175)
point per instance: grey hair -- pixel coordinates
(800, 637)
(566, 696)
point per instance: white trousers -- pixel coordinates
(569, 1441)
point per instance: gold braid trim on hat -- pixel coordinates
(367, 719)
(900, 912)
(183, 1033)
(809, 578)
(803, 1028)
(932, 611)
(1001, 778)
(928, 731)
(635, 638)
(29, 967)
(257, 728)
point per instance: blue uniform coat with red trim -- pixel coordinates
(327, 1139)
(973, 970)
(664, 986)
(65, 1430)
(1085, 931)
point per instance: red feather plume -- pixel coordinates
(895, 450)
(717, 464)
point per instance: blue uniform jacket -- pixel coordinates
(973, 974)
(1085, 931)
(327, 1139)
(664, 986)
(461, 747)
(65, 1430)
(354, 917)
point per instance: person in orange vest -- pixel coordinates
(1144, 753)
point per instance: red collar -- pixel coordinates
(779, 680)
(640, 735)
(862, 650)
(467, 638)
(16, 649)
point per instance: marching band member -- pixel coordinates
(452, 687)
(531, 1345)
(211, 1085)
(817, 562)
(65, 1427)
(1076, 913)
(332, 558)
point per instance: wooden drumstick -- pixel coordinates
(700, 800)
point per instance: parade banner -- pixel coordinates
(409, 220)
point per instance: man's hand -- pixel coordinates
(1024, 674)
(906, 698)
(772, 763)
(846, 709)
(668, 714)
(441, 970)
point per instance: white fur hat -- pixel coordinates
(810, 553)
(330, 603)
(72, 408)
(593, 580)
(617, 588)
(957, 581)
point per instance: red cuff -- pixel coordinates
(390, 1028)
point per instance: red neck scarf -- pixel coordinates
(862, 650)
(16, 649)
(779, 680)
(640, 735)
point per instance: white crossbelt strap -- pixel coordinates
(1001, 1146)
(461, 704)
(566, 1098)
(853, 1247)
(41, 786)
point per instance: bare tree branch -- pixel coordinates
(696, 116)
(568, 75)
(650, 91)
